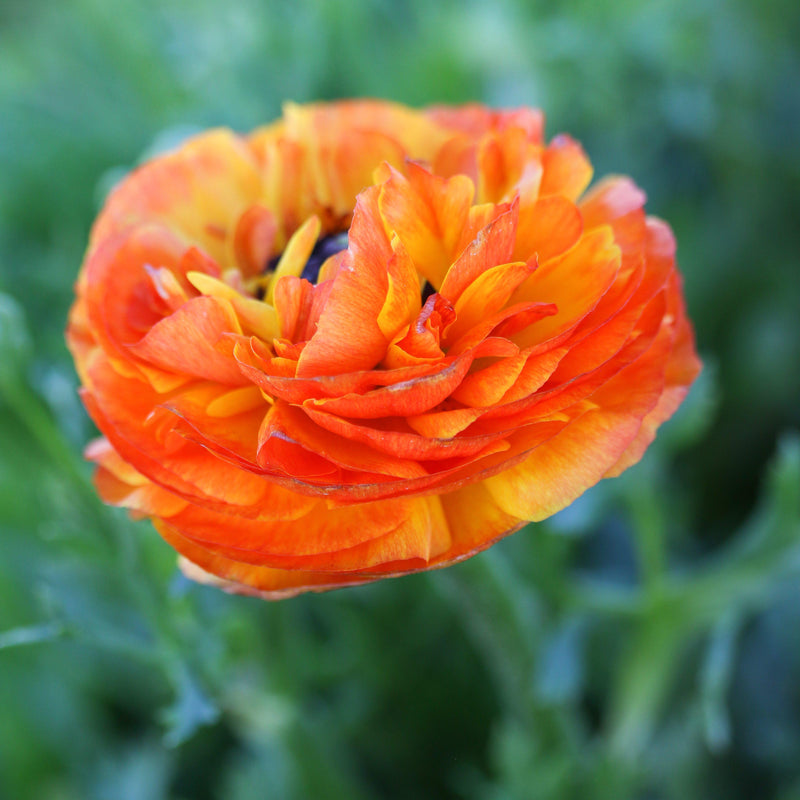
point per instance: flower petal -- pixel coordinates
(199, 192)
(348, 337)
(427, 213)
(198, 325)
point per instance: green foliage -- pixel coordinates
(642, 644)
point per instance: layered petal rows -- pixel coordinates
(366, 340)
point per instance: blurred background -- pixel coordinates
(643, 644)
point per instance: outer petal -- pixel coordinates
(567, 171)
(237, 577)
(562, 468)
(199, 191)
(365, 536)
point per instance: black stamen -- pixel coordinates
(325, 247)
(427, 291)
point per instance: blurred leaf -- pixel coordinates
(716, 677)
(766, 548)
(191, 710)
(15, 344)
(141, 772)
(32, 634)
(790, 794)
(503, 617)
(559, 673)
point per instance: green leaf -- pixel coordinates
(31, 634)
(15, 343)
(716, 677)
(191, 710)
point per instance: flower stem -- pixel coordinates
(643, 682)
(502, 617)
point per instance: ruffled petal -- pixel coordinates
(366, 341)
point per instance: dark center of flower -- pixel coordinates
(427, 291)
(325, 247)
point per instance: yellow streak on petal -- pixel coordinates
(575, 281)
(260, 317)
(440, 535)
(236, 402)
(488, 293)
(476, 521)
(296, 254)
(564, 467)
(443, 424)
(403, 292)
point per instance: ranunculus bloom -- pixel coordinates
(367, 340)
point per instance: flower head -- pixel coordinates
(366, 340)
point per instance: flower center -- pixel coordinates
(325, 247)
(427, 291)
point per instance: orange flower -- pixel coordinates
(366, 340)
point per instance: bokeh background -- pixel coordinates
(643, 644)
